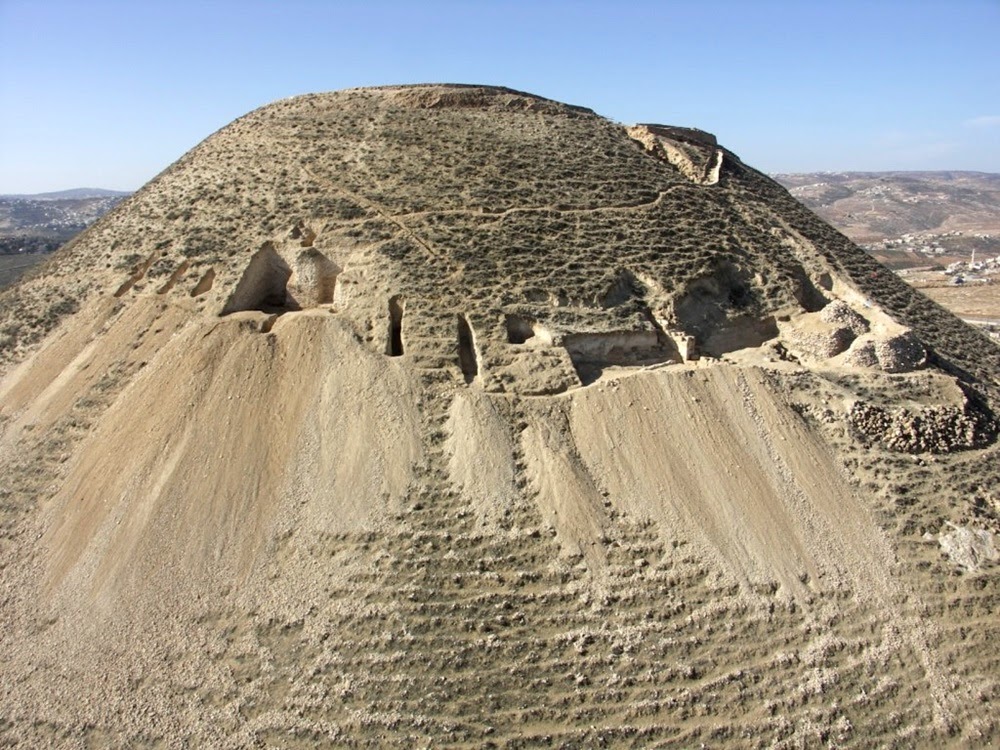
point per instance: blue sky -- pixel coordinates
(107, 94)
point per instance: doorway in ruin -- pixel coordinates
(468, 358)
(394, 345)
(264, 285)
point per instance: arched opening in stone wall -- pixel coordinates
(624, 287)
(264, 285)
(722, 311)
(524, 331)
(394, 346)
(519, 329)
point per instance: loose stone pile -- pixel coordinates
(933, 429)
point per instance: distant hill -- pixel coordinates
(32, 223)
(932, 227)
(32, 226)
(904, 218)
(71, 194)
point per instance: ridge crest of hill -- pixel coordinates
(72, 193)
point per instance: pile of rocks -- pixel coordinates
(841, 314)
(900, 353)
(827, 333)
(933, 429)
(820, 344)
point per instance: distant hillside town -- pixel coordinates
(42, 223)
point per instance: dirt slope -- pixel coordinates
(446, 415)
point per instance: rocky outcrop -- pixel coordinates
(693, 152)
(969, 548)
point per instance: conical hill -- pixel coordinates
(452, 415)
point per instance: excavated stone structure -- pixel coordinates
(451, 415)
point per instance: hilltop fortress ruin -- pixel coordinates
(452, 415)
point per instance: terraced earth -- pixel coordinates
(454, 416)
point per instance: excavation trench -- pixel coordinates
(591, 353)
(394, 345)
(468, 358)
